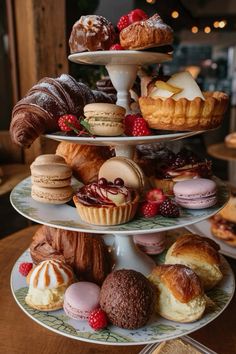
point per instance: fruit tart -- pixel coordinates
(106, 203)
(179, 104)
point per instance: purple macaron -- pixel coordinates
(151, 243)
(199, 193)
(80, 299)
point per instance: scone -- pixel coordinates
(200, 254)
(48, 282)
(180, 294)
(106, 203)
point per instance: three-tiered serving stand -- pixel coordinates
(122, 67)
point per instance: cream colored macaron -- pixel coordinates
(105, 119)
(48, 159)
(51, 195)
(51, 176)
(124, 168)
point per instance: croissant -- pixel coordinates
(38, 112)
(86, 253)
(85, 160)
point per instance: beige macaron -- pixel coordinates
(51, 176)
(105, 119)
(51, 195)
(126, 169)
(48, 159)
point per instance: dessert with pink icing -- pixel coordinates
(199, 193)
(48, 282)
(106, 203)
(80, 299)
(151, 243)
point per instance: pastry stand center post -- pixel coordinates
(122, 77)
(128, 256)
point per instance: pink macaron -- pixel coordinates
(199, 193)
(80, 299)
(151, 243)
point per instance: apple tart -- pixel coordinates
(179, 104)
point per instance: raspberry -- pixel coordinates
(155, 196)
(129, 123)
(68, 123)
(123, 22)
(140, 128)
(97, 319)
(137, 15)
(116, 46)
(169, 209)
(25, 268)
(149, 209)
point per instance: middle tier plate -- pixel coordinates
(121, 140)
(66, 217)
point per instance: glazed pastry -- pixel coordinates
(132, 311)
(85, 160)
(180, 295)
(200, 254)
(91, 33)
(48, 282)
(86, 253)
(230, 140)
(152, 32)
(106, 203)
(39, 110)
(105, 119)
(179, 104)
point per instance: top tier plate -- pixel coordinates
(116, 57)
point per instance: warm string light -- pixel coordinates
(174, 14)
(220, 24)
(151, 1)
(207, 29)
(194, 29)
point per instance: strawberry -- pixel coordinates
(123, 22)
(155, 196)
(140, 128)
(98, 319)
(129, 123)
(25, 268)
(68, 123)
(169, 208)
(116, 46)
(137, 15)
(149, 209)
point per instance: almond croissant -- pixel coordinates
(38, 112)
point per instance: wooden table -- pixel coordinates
(21, 335)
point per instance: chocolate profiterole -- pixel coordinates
(128, 298)
(91, 33)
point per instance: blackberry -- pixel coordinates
(179, 161)
(169, 209)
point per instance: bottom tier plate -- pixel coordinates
(158, 329)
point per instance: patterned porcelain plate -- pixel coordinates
(158, 329)
(66, 217)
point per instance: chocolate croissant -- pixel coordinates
(38, 112)
(86, 253)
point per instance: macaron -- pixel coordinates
(105, 119)
(151, 243)
(51, 175)
(199, 193)
(51, 195)
(48, 159)
(80, 299)
(124, 168)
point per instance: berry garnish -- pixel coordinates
(102, 182)
(169, 209)
(25, 268)
(116, 46)
(148, 209)
(119, 182)
(68, 123)
(129, 123)
(123, 22)
(155, 196)
(97, 319)
(140, 128)
(137, 15)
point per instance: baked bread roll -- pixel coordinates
(86, 253)
(38, 112)
(200, 254)
(85, 160)
(180, 295)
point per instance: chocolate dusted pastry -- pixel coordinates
(105, 85)
(86, 253)
(91, 33)
(39, 110)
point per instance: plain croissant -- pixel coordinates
(38, 112)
